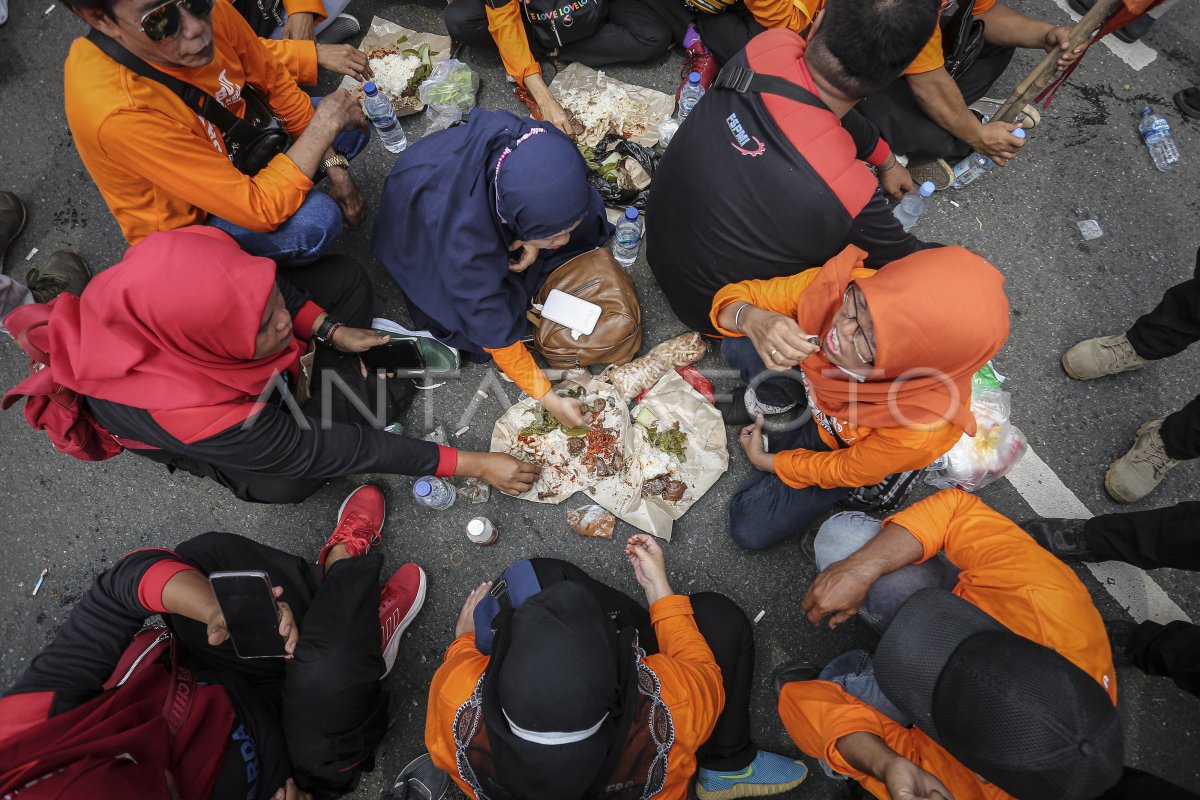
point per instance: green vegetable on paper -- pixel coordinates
(544, 422)
(672, 441)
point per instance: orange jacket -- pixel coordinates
(298, 55)
(1005, 573)
(160, 166)
(797, 14)
(869, 454)
(691, 689)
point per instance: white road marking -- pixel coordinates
(1133, 588)
(1136, 55)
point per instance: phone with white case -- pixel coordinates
(571, 312)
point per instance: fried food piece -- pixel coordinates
(592, 521)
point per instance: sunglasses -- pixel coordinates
(161, 23)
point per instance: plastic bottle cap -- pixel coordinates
(631, 214)
(1146, 111)
(423, 489)
(475, 527)
(1019, 133)
(927, 189)
(369, 88)
(694, 77)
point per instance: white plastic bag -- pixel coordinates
(975, 461)
(449, 91)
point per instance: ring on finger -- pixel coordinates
(774, 350)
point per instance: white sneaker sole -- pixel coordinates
(393, 645)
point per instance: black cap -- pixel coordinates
(1013, 711)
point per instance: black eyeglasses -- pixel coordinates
(161, 23)
(861, 342)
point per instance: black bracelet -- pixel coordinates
(325, 330)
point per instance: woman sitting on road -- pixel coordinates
(190, 351)
(473, 220)
(885, 359)
(578, 690)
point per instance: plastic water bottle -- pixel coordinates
(913, 204)
(691, 94)
(383, 117)
(434, 493)
(628, 240)
(1156, 133)
(976, 165)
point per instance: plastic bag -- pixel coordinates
(611, 192)
(449, 91)
(975, 461)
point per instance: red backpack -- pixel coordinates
(50, 406)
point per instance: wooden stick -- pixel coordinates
(1042, 74)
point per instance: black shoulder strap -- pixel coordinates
(743, 79)
(201, 102)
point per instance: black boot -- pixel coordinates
(1063, 537)
(64, 272)
(12, 220)
(795, 671)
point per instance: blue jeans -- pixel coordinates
(765, 510)
(779, 389)
(311, 231)
(844, 534)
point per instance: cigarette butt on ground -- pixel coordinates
(51, 8)
(758, 617)
(481, 394)
(41, 579)
(461, 431)
(32, 253)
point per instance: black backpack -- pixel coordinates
(263, 15)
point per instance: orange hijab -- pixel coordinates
(939, 315)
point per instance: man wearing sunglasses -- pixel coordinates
(160, 165)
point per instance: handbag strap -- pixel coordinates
(194, 98)
(744, 79)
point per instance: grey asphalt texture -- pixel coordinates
(1084, 162)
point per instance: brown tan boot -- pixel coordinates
(1135, 474)
(1104, 355)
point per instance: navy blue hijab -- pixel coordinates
(453, 205)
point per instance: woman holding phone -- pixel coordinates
(192, 353)
(111, 708)
(473, 220)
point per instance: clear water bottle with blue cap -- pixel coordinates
(383, 117)
(628, 239)
(1156, 133)
(913, 205)
(691, 94)
(434, 493)
(976, 165)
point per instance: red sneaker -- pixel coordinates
(698, 58)
(360, 520)
(399, 601)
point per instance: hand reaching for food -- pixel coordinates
(567, 410)
(649, 566)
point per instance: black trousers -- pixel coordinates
(726, 629)
(905, 127)
(724, 34)
(1165, 537)
(1170, 328)
(338, 284)
(631, 33)
(326, 706)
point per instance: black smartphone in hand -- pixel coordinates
(250, 612)
(401, 354)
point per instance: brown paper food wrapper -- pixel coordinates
(383, 34)
(644, 129)
(670, 400)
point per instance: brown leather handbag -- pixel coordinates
(596, 277)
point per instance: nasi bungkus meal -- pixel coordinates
(661, 461)
(572, 456)
(399, 70)
(601, 108)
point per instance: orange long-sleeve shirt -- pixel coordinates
(691, 689)
(865, 455)
(798, 14)
(298, 55)
(507, 28)
(517, 362)
(1003, 572)
(159, 165)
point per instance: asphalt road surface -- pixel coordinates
(1084, 162)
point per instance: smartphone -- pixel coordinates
(402, 353)
(571, 312)
(250, 613)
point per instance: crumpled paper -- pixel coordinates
(384, 34)
(645, 130)
(671, 400)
